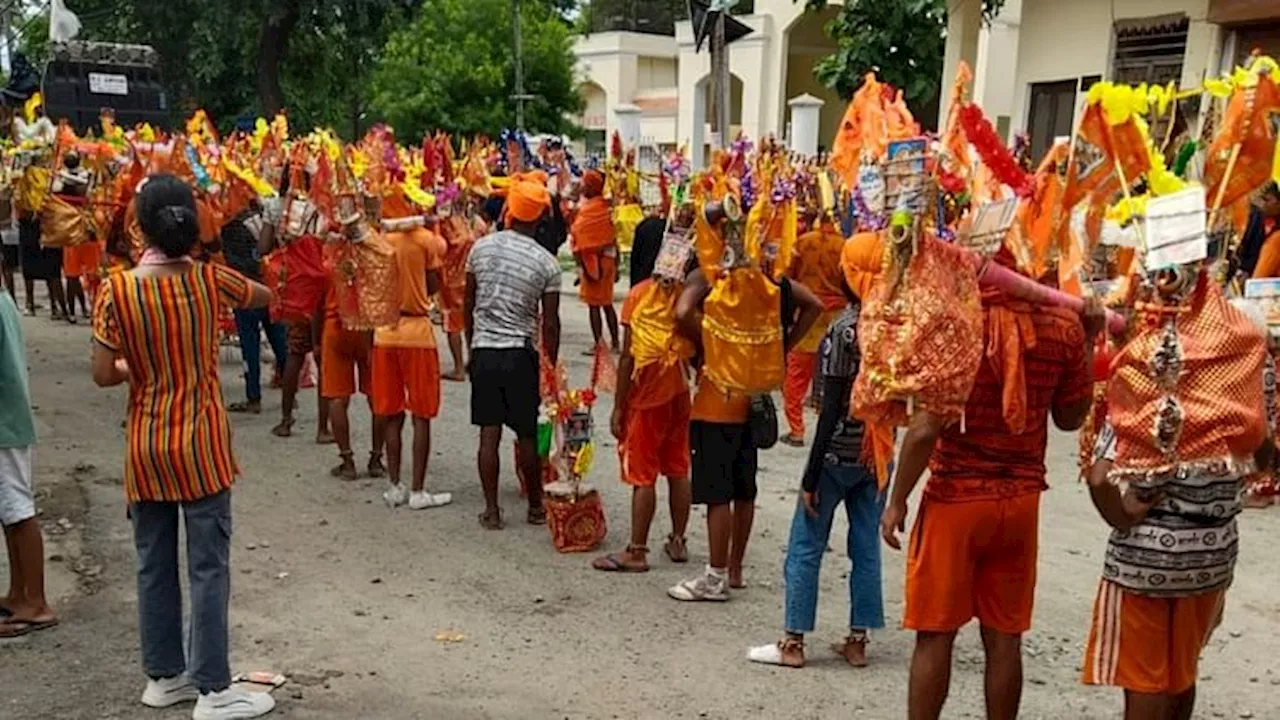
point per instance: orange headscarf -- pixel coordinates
(527, 201)
(592, 184)
(862, 260)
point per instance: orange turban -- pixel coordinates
(527, 201)
(592, 184)
(862, 259)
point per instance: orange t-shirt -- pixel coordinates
(656, 385)
(418, 252)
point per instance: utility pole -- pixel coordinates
(720, 78)
(520, 96)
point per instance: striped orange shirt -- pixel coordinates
(166, 328)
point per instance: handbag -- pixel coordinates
(763, 421)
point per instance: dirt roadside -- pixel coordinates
(349, 598)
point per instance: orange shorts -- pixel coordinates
(80, 260)
(1149, 644)
(657, 443)
(973, 559)
(342, 353)
(401, 373)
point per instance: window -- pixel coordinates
(1150, 50)
(1053, 111)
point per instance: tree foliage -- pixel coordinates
(902, 41)
(453, 69)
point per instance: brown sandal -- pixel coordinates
(853, 650)
(613, 562)
(676, 549)
(376, 469)
(346, 470)
(284, 429)
(491, 520)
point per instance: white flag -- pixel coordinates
(63, 24)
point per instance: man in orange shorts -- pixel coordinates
(817, 267)
(651, 423)
(406, 368)
(1168, 565)
(344, 355)
(973, 547)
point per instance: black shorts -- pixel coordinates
(724, 462)
(504, 390)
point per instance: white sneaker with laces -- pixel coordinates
(395, 496)
(423, 500)
(167, 692)
(233, 704)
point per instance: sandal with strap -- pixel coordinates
(614, 562)
(376, 469)
(347, 468)
(787, 652)
(853, 650)
(284, 429)
(492, 520)
(676, 549)
(249, 406)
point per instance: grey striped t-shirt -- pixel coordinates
(512, 274)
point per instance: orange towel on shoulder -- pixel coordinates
(593, 227)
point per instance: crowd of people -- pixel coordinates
(866, 284)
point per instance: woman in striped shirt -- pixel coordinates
(156, 328)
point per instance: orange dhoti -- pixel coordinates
(451, 302)
(599, 270)
(800, 369)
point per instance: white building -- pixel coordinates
(1035, 61)
(629, 76)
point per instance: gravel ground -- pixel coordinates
(351, 600)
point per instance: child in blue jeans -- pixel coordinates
(834, 475)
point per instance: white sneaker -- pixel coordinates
(707, 587)
(167, 692)
(233, 704)
(423, 500)
(395, 496)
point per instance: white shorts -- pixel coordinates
(16, 501)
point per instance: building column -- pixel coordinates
(628, 119)
(806, 113)
(964, 25)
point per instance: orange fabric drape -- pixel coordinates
(593, 226)
(1010, 334)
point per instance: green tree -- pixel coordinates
(902, 41)
(453, 69)
(250, 57)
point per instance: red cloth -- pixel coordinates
(298, 279)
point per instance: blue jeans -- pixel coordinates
(155, 537)
(856, 487)
(250, 323)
